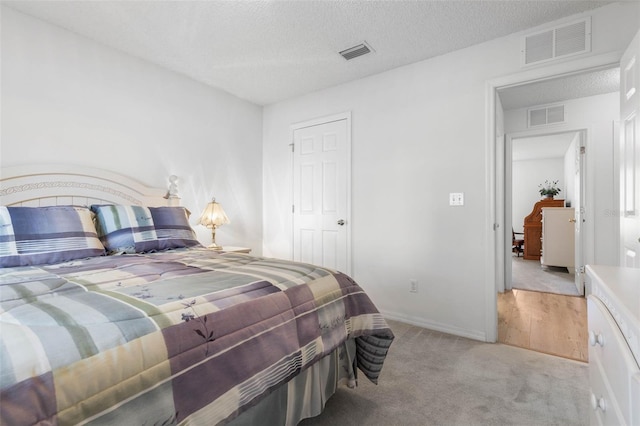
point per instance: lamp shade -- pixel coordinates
(213, 215)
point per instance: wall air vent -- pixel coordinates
(355, 51)
(542, 116)
(565, 40)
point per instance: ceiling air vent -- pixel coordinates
(355, 51)
(545, 115)
(565, 40)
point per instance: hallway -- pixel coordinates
(530, 275)
(544, 322)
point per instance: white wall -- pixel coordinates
(526, 176)
(597, 115)
(418, 134)
(67, 99)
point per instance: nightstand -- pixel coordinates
(233, 249)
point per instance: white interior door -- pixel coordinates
(579, 210)
(630, 155)
(321, 194)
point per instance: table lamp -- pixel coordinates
(212, 217)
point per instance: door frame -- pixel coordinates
(493, 228)
(508, 191)
(316, 122)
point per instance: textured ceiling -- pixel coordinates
(268, 51)
(541, 147)
(560, 89)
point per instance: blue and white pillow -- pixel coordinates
(137, 229)
(46, 235)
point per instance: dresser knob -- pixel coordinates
(596, 338)
(598, 403)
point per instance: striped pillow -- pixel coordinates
(137, 229)
(45, 235)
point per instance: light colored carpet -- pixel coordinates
(530, 275)
(432, 378)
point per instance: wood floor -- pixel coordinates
(544, 322)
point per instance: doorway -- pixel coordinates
(536, 158)
(520, 86)
(541, 309)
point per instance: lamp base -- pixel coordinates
(213, 245)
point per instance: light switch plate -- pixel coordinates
(456, 199)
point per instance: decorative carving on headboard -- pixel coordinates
(46, 185)
(66, 184)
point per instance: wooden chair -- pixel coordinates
(517, 243)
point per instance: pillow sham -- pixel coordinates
(137, 229)
(45, 235)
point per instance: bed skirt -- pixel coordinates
(306, 394)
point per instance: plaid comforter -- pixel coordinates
(159, 338)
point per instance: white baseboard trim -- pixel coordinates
(433, 325)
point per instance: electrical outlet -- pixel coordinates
(413, 286)
(456, 199)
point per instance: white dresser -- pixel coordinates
(614, 344)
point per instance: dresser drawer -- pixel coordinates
(604, 409)
(612, 365)
(635, 399)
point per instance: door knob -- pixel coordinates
(572, 220)
(341, 222)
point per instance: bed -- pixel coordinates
(111, 312)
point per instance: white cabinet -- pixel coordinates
(558, 237)
(614, 350)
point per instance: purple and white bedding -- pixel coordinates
(186, 335)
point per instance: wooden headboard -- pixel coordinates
(50, 185)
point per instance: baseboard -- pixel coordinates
(433, 325)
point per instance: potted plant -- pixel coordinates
(549, 189)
